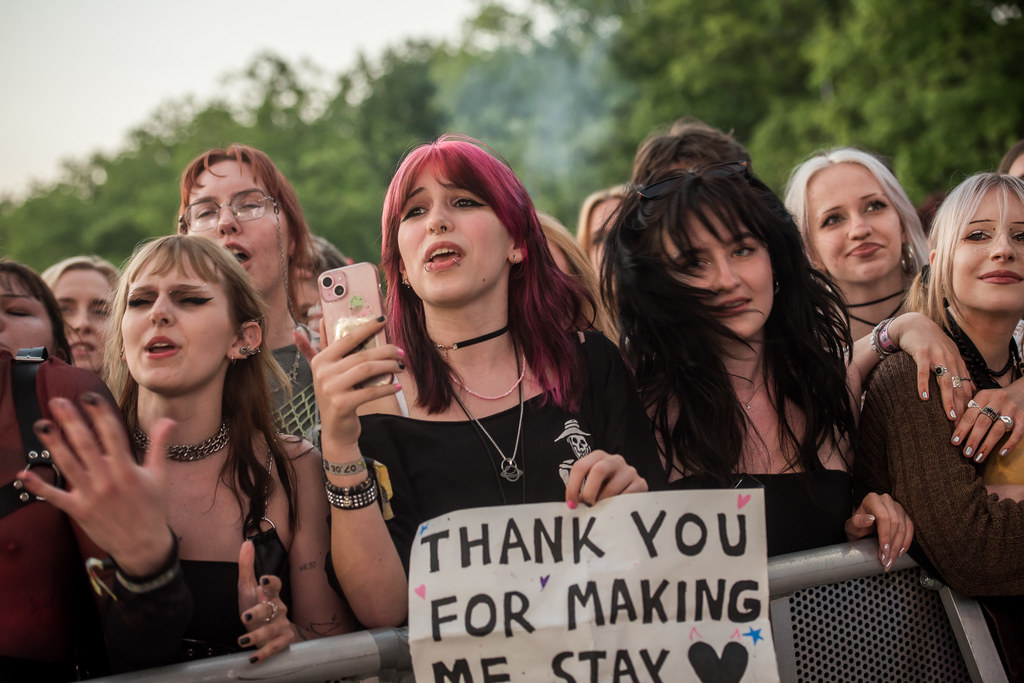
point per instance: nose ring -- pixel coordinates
(443, 229)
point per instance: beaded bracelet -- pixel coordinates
(345, 468)
(880, 340)
(355, 497)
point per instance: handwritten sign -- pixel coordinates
(669, 586)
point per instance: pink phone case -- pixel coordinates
(350, 297)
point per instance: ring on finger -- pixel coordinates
(956, 381)
(973, 404)
(1008, 421)
(273, 610)
(940, 370)
(990, 413)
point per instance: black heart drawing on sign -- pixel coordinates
(710, 669)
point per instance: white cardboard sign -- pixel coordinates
(668, 586)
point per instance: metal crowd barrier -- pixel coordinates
(835, 617)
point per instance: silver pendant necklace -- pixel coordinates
(510, 471)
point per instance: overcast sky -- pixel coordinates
(77, 75)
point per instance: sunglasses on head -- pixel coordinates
(673, 182)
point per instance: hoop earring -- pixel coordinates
(908, 260)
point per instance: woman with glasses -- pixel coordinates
(742, 354)
(508, 400)
(239, 199)
(974, 289)
(227, 515)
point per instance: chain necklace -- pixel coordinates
(186, 452)
(510, 471)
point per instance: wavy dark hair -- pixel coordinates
(673, 339)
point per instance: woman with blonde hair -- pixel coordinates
(595, 215)
(572, 260)
(188, 364)
(974, 289)
(82, 286)
(860, 228)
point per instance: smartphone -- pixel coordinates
(350, 297)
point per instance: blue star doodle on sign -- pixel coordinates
(423, 528)
(755, 634)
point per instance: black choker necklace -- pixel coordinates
(877, 301)
(984, 377)
(868, 322)
(474, 340)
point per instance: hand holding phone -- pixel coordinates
(350, 297)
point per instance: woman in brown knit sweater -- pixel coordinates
(975, 289)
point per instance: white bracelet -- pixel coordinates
(345, 468)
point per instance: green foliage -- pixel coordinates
(565, 92)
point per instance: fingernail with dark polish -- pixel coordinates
(401, 365)
(243, 641)
(265, 581)
(248, 617)
(253, 659)
(43, 427)
(380, 319)
(89, 398)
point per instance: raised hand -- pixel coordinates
(261, 609)
(120, 504)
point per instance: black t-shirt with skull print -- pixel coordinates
(439, 467)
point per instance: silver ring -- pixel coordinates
(973, 404)
(990, 413)
(273, 610)
(956, 381)
(1008, 421)
(940, 370)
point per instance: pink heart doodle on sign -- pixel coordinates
(735, 634)
(742, 500)
(421, 590)
(694, 630)
(544, 581)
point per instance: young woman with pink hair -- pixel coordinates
(508, 402)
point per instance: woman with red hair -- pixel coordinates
(508, 402)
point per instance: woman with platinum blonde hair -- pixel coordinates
(860, 228)
(222, 541)
(974, 289)
(82, 286)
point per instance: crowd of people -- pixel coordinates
(190, 466)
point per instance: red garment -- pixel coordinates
(41, 552)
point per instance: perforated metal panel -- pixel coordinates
(880, 628)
